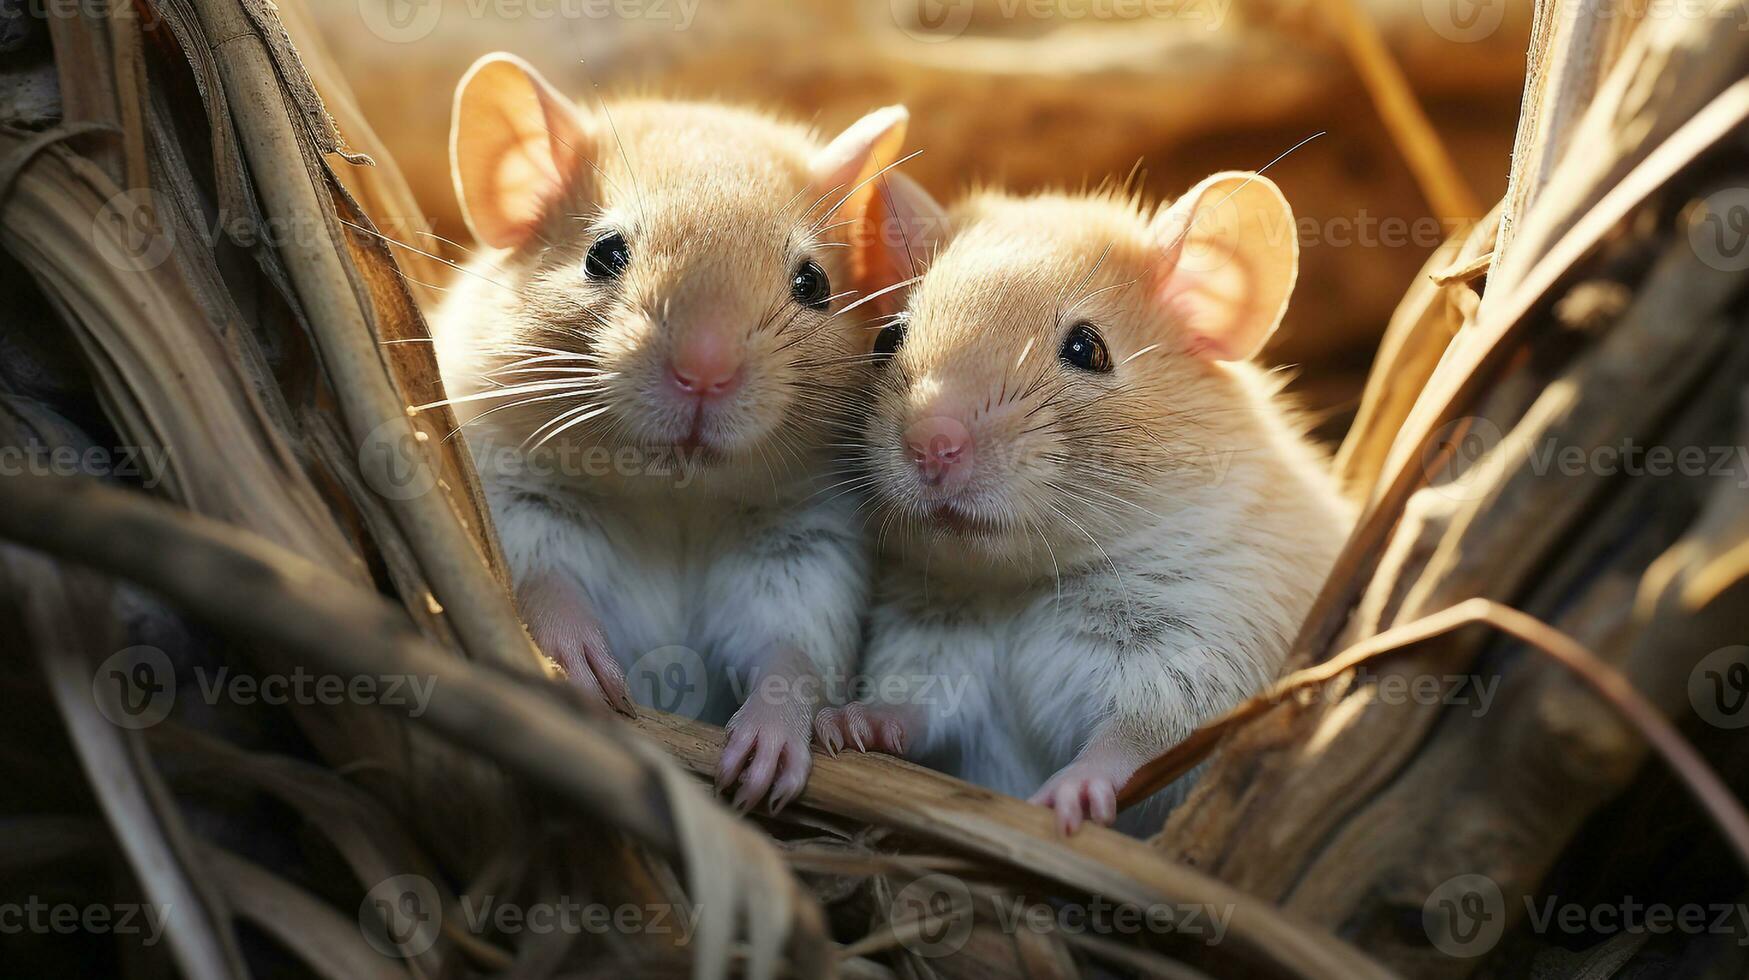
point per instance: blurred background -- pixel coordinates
(1034, 94)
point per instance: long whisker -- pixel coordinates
(877, 294)
(507, 391)
(588, 412)
(430, 255)
(861, 184)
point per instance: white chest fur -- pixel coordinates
(727, 582)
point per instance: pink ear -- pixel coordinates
(1230, 255)
(897, 222)
(899, 233)
(842, 170)
(514, 142)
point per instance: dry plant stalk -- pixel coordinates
(1355, 808)
(262, 389)
(273, 382)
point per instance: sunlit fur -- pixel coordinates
(1132, 551)
(718, 209)
(747, 556)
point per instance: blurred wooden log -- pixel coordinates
(1160, 94)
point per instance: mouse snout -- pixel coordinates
(706, 364)
(941, 448)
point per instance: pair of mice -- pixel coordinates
(696, 387)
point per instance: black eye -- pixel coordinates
(1084, 349)
(891, 338)
(810, 286)
(608, 257)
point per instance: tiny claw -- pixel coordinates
(1079, 794)
(735, 755)
(611, 678)
(894, 733)
(826, 731)
(795, 765)
(1068, 814)
(744, 801)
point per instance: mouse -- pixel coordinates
(1099, 521)
(652, 357)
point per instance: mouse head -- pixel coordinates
(1065, 370)
(670, 275)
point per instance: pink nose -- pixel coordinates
(706, 364)
(941, 448)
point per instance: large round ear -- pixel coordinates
(896, 224)
(1230, 253)
(843, 172)
(899, 233)
(514, 141)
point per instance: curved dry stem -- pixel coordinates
(243, 584)
(1605, 680)
(1004, 834)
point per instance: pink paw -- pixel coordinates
(767, 753)
(1080, 792)
(870, 728)
(564, 626)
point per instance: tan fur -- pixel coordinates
(1122, 555)
(718, 205)
(985, 326)
(709, 532)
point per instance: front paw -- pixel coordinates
(590, 666)
(767, 753)
(564, 626)
(868, 727)
(1080, 792)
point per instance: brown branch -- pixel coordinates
(340, 324)
(243, 584)
(1605, 680)
(1009, 833)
